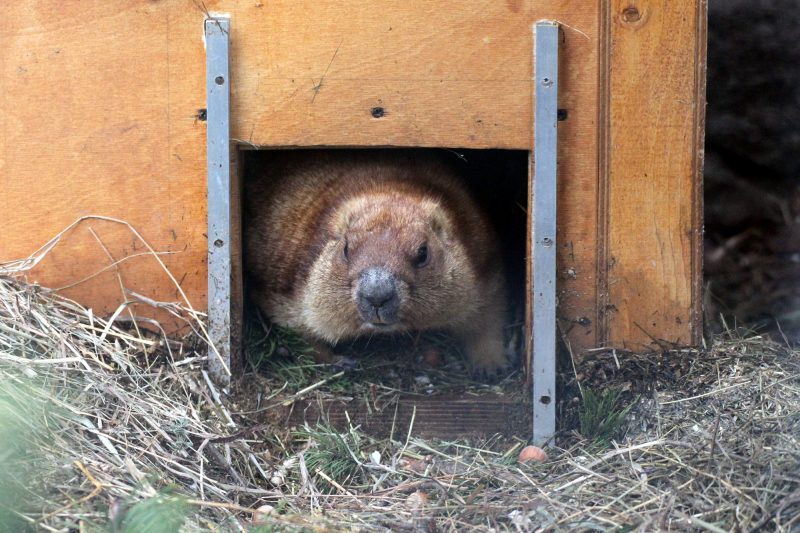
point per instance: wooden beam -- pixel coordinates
(656, 76)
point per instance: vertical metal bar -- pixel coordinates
(219, 194)
(543, 235)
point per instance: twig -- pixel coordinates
(302, 392)
(705, 394)
(118, 273)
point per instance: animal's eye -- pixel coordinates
(423, 257)
(346, 251)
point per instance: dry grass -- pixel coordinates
(104, 429)
(108, 417)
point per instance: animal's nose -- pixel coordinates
(377, 286)
(377, 295)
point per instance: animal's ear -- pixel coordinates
(440, 225)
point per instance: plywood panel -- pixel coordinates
(446, 74)
(656, 56)
(98, 122)
(463, 114)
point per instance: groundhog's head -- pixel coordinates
(392, 263)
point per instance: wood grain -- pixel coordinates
(445, 74)
(656, 82)
(98, 121)
(578, 172)
(452, 416)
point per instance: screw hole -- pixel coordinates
(219, 80)
(218, 243)
(545, 400)
(378, 112)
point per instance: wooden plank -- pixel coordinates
(459, 114)
(98, 121)
(465, 84)
(439, 416)
(656, 54)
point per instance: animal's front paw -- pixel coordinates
(486, 354)
(323, 354)
(489, 369)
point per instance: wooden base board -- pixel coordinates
(441, 416)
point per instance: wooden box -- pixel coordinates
(102, 106)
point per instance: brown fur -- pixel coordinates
(303, 209)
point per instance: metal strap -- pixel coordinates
(543, 237)
(219, 193)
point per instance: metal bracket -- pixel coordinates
(220, 277)
(543, 235)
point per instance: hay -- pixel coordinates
(110, 414)
(104, 428)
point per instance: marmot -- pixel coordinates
(345, 243)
